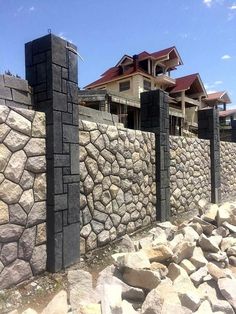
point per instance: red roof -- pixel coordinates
(215, 96)
(226, 113)
(114, 72)
(184, 83)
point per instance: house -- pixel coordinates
(122, 84)
(118, 90)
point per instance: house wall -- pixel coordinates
(118, 189)
(189, 173)
(22, 194)
(228, 169)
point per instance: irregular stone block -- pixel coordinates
(27, 180)
(35, 147)
(41, 236)
(4, 130)
(37, 214)
(10, 232)
(27, 200)
(15, 273)
(36, 164)
(40, 187)
(15, 140)
(38, 259)
(5, 155)
(18, 123)
(38, 125)
(17, 215)
(4, 110)
(15, 166)
(27, 243)
(14, 196)
(4, 214)
(8, 253)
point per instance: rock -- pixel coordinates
(198, 276)
(202, 203)
(107, 276)
(175, 271)
(162, 269)
(206, 226)
(190, 300)
(4, 214)
(5, 155)
(35, 147)
(14, 196)
(8, 253)
(37, 214)
(218, 257)
(58, 305)
(38, 125)
(227, 288)
(15, 273)
(137, 260)
(126, 244)
(159, 253)
(111, 300)
(38, 259)
(153, 303)
(15, 140)
(17, 215)
(178, 238)
(103, 237)
(27, 200)
(145, 242)
(36, 164)
(221, 231)
(27, 243)
(4, 110)
(29, 311)
(183, 250)
(91, 308)
(189, 234)
(10, 233)
(210, 244)
(204, 308)
(80, 288)
(211, 213)
(187, 266)
(27, 180)
(40, 187)
(127, 308)
(223, 215)
(222, 306)
(18, 123)
(141, 278)
(232, 260)
(228, 242)
(231, 228)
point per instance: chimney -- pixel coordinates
(135, 62)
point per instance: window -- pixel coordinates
(146, 85)
(124, 86)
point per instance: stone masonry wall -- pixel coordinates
(15, 92)
(189, 173)
(228, 169)
(118, 190)
(22, 195)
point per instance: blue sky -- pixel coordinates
(203, 31)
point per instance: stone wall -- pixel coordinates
(228, 169)
(189, 173)
(22, 195)
(14, 92)
(118, 190)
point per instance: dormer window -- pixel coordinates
(159, 70)
(147, 85)
(123, 86)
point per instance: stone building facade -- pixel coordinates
(228, 169)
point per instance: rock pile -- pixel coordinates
(183, 269)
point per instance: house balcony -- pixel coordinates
(164, 80)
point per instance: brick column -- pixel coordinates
(208, 128)
(51, 69)
(233, 131)
(155, 118)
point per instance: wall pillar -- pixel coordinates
(208, 128)
(155, 118)
(51, 69)
(233, 131)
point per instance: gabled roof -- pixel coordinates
(226, 113)
(219, 97)
(115, 72)
(184, 83)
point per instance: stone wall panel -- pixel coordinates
(22, 193)
(189, 174)
(117, 182)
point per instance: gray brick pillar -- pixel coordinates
(155, 118)
(51, 69)
(208, 128)
(233, 131)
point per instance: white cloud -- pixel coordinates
(218, 82)
(226, 57)
(208, 3)
(232, 7)
(31, 9)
